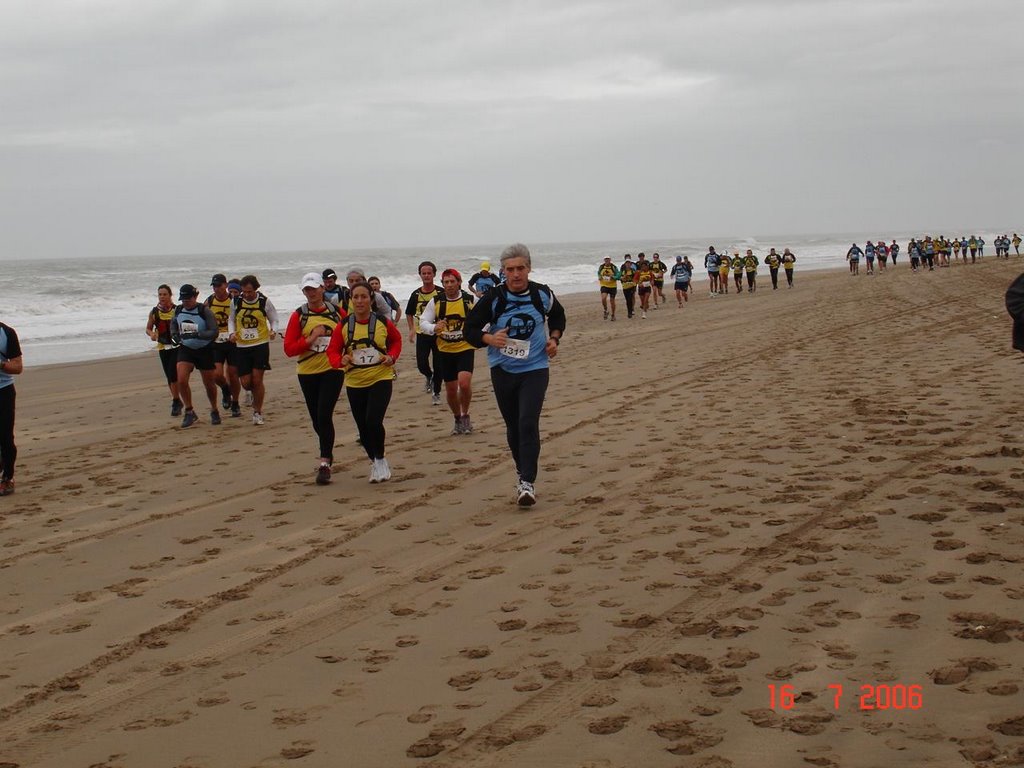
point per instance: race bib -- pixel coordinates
(452, 335)
(518, 349)
(365, 356)
(222, 337)
(189, 329)
(250, 334)
(319, 344)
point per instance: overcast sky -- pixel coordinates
(137, 126)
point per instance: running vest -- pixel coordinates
(773, 260)
(750, 262)
(659, 269)
(221, 309)
(366, 343)
(315, 360)
(644, 276)
(628, 277)
(190, 322)
(523, 316)
(606, 275)
(162, 319)
(483, 283)
(682, 273)
(251, 324)
(10, 348)
(454, 313)
(417, 301)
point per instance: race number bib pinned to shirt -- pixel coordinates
(365, 356)
(222, 337)
(518, 349)
(319, 344)
(189, 329)
(250, 334)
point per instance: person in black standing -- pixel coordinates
(11, 365)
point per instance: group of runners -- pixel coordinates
(927, 251)
(346, 336)
(646, 279)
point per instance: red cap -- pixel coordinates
(453, 272)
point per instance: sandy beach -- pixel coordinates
(789, 491)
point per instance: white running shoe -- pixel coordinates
(257, 419)
(384, 470)
(436, 399)
(248, 398)
(428, 387)
(374, 471)
(526, 496)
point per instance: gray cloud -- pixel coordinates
(174, 126)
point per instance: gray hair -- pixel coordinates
(516, 251)
(355, 271)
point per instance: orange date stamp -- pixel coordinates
(880, 696)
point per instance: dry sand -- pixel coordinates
(809, 487)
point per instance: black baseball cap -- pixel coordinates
(187, 291)
(218, 279)
(330, 273)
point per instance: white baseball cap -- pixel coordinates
(311, 280)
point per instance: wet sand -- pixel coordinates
(810, 488)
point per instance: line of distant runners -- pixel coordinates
(347, 336)
(927, 251)
(646, 279)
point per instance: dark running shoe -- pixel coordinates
(176, 407)
(236, 410)
(323, 474)
(6, 487)
(215, 417)
(189, 420)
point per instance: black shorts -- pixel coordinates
(610, 291)
(644, 291)
(451, 364)
(223, 352)
(684, 287)
(201, 358)
(248, 359)
(659, 283)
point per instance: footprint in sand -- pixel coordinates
(598, 700)
(298, 749)
(465, 681)
(608, 725)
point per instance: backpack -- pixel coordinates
(501, 299)
(332, 314)
(371, 333)
(442, 304)
(236, 303)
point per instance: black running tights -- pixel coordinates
(520, 398)
(321, 391)
(369, 405)
(426, 352)
(8, 450)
